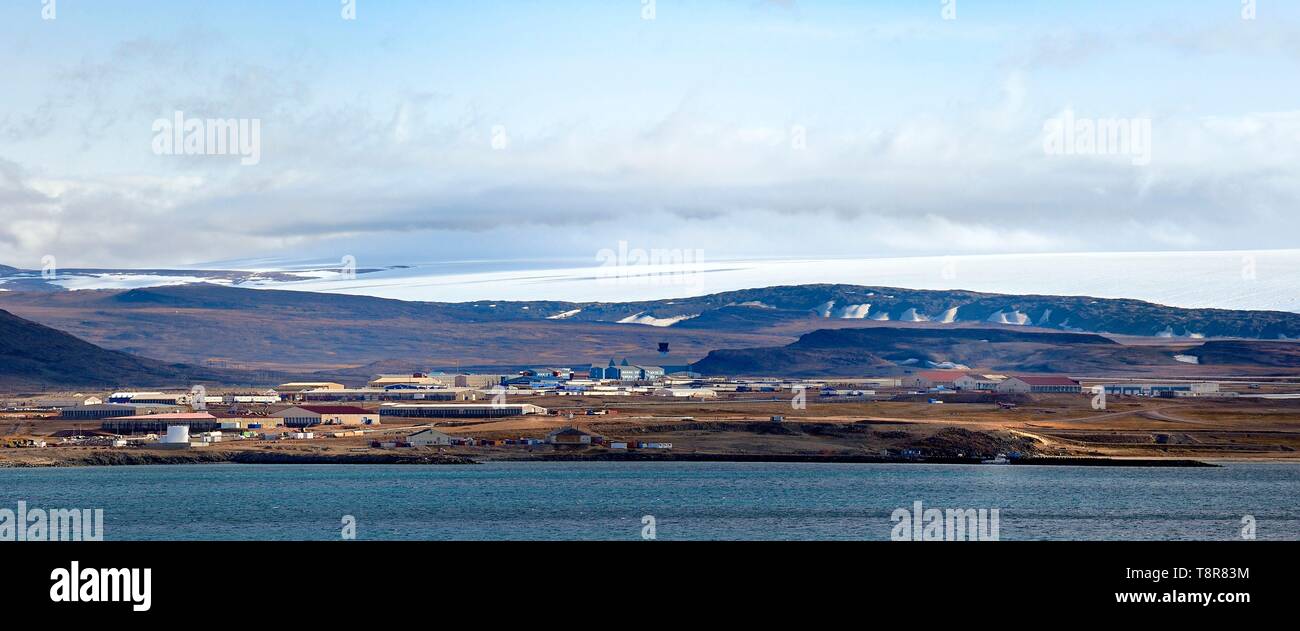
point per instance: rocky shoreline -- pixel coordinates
(848, 459)
(107, 458)
(155, 458)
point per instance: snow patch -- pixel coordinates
(1187, 359)
(883, 316)
(640, 318)
(1015, 317)
(854, 312)
(565, 315)
(949, 316)
(122, 281)
(1065, 326)
(947, 366)
(824, 309)
(912, 316)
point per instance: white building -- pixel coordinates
(692, 393)
(978, 382)
(428, 438)
(1039, 385)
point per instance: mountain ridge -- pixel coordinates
(751, 308)
(884, 351)
(36, 356)
(218, 325)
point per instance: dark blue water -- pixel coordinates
(592, 500)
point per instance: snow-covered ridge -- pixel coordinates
(565, 315)
(912, 316)
(641, 318)
(854, 312)
(1159, 277)
(1013, 317)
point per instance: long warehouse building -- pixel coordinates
(461, 410)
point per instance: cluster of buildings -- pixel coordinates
(615, 380)
(565, 437)
(1002, 384)
(628, 372)
(964, 381)
(1202, 389)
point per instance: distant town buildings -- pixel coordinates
(308, 415)
(413, 379)
(390, 393)
(113, 410)
(1039, 385)
(149, 398)
(571, 436)
(458, 410)
(626, 372)
(979, 382)
(428, 438)
(478, 381)
(689, 393)
(289, 389)
(159, 423)
(1188, 389)
(927, 379)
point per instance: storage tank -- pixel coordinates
(177, 434)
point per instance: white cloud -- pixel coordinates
(406, 171)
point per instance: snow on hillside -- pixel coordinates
(565, 315)
(1267, 280)
(653, 321)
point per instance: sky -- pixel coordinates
(501, 133)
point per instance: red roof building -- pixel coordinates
(932, 378)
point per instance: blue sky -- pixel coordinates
(920, 135)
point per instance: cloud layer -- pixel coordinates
(743, 131)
